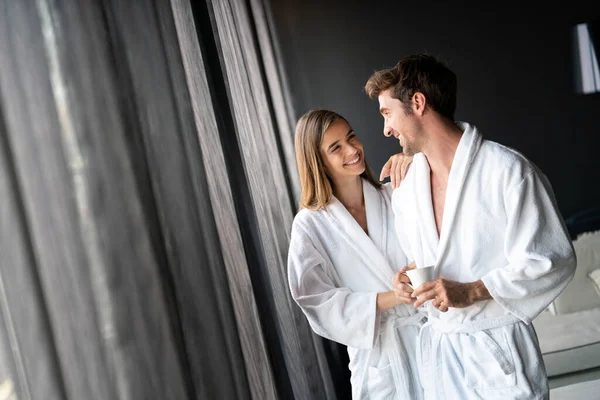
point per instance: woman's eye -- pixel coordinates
(336, 148)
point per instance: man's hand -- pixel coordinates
(401, 289)
(395, 168)
(446, 294)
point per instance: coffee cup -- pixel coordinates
(419, 276)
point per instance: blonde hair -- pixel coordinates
(316, 188)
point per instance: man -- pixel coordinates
(487, 219)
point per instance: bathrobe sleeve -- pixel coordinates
(335, 313)
(540, 254)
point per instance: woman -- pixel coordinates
(343, 257)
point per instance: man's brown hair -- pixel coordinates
(418, 73)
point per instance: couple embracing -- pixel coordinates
(480, 213)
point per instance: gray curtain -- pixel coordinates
(148, 187)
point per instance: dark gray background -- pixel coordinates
(514, 66)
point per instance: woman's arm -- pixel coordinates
(387, 300)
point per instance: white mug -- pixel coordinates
(419, 276)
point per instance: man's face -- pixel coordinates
(400, 122)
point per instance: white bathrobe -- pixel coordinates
(501, 225)
(335, 272)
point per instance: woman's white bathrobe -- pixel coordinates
(501, 225)
(335, 272)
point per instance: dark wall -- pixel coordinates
(514, 68)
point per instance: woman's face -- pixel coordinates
(342, 152)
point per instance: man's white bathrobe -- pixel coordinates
(501, 225)
(335, 272)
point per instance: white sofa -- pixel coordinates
(580, 390)
(569, 331)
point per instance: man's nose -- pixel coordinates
(387, 131)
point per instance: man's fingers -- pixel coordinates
(423, 298)
(436, 302)
(427, 286)
(441, 304)
(428, 295)
(418, 303)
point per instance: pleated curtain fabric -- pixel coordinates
(148, 186)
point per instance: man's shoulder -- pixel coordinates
(504, 159)
(406, 191)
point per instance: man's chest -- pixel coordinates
(438, 198)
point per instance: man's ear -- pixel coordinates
(419, 101)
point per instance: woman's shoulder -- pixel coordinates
(305, 218)
(387, 188)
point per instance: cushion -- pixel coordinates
(579, 390)
(581, 293)
(569, 342)
(595, 277)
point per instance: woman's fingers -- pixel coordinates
(386, 169)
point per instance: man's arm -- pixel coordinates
(541, 258)
(540, 254)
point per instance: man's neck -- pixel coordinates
(444, 137)
(349, 192)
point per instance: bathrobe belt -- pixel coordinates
(475, 328)
(398, 359)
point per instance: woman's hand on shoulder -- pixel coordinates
(396, 168)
